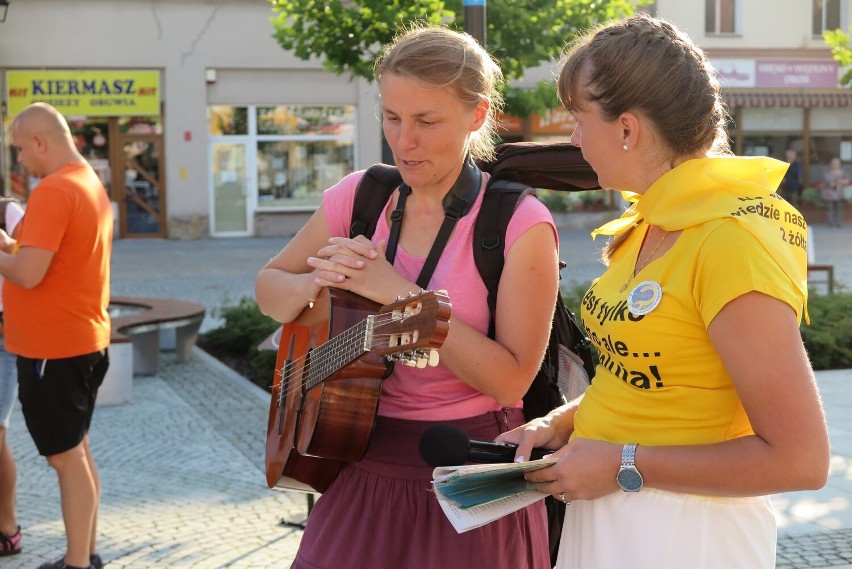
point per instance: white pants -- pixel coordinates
(653, 529)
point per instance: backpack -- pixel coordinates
(519, 167)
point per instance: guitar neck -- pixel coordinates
(340, 351)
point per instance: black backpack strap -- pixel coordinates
(396, 223)
(489, 235)
(457, 203)
(371, 195)
(501, 199)
(374, 190)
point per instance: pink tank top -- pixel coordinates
(435, 393)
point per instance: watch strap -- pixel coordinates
(628, 455)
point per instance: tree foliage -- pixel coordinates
(348, 34)
(841, 49)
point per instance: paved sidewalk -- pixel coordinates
(182, 465)
(182, 477)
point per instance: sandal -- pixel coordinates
(10, 544)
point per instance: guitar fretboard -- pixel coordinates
(337, 353)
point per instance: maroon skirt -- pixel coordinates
(381, 513)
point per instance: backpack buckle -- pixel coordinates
(490, 242)
(452, 213)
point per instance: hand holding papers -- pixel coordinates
(474, 495)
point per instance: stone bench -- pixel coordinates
(814, 268)
(141, 327)
(827, 271)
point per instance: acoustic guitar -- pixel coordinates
(328, 376)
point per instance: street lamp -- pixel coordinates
(4, 7)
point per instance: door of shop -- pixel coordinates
(231, 211)
(138, 185)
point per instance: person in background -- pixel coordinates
(834, 182)
(704, 402)
(55, 299)
(439, 102)
(11, 542)
(791, 185)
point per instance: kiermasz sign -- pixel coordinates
(86, 92)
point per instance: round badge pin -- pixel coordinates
(644, 298)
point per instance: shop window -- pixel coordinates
(293, 173)
(831, 119)
(721, 17)
(823, 149)
(773, 145)
(828, 15)
(140, 125)
(91, 136)
(772, 119)
(306, 120)
(301, 151)
(223, 120)
(297, 150)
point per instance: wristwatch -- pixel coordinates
(628, 477)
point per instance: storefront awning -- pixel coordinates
(804, 100)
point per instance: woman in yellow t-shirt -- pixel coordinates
(704, 402)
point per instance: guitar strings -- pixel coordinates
(318, 373)
(347, 339)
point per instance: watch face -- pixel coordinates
(629, 479)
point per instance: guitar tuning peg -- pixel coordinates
(408, 360)
(433, 357)
(422, 362)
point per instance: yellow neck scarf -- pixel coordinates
(742, 188)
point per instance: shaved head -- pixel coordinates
(43, 119)
(43, 140)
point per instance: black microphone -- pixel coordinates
(448, 445)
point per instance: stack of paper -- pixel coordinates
(474, 495)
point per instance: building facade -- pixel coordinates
(197, 121)
(200, 125)
(778, 77)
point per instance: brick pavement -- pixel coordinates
(182, 477)
(183, 483)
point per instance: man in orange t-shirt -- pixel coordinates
(55, 299)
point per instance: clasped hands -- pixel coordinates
(359, 266)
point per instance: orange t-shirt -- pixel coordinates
(65, 315)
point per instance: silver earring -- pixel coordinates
(625, 147)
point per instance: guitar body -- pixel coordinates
(326, 387)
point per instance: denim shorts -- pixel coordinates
(8, 384)
(58, 398)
